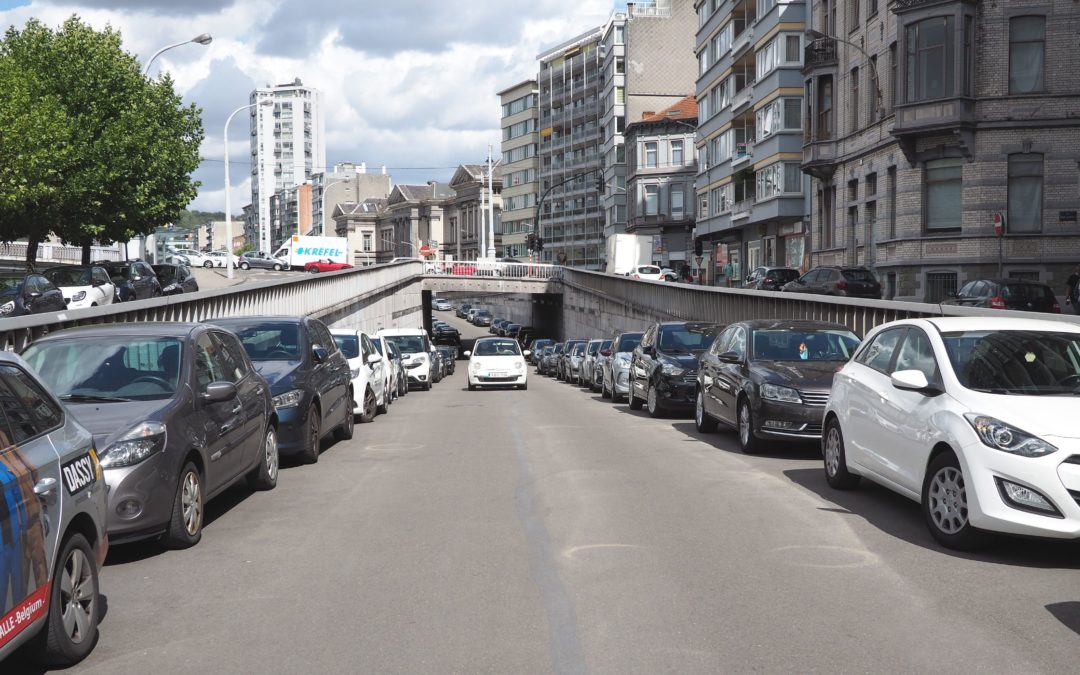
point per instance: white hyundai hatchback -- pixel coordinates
(972, 417)
(368, 372)
(497, 362)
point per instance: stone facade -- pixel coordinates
(462, 211)
(912, 191)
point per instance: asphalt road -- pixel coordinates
(548, 530)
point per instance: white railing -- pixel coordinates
(491, 268)
(15, 252)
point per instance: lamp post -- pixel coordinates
(326, 188)
(228, 198)
(818, 35)
(203, 39)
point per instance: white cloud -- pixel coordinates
(405, 84)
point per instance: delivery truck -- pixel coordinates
(300, 250)
(627, 251)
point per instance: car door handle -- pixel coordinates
(44, 486)
(237, 408)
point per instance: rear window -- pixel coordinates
(858, 275)
(628, 342)
(783, 275)
(648, 270)
(270, 341)
(1027, 292)
(349, 345)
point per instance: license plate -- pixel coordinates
(497, 373)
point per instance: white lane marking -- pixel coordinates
(574, 550)
(843, 557)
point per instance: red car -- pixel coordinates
(325, 265)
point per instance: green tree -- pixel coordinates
(100, 152)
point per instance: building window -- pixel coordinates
(1027, 49)
(892, 201)
(825, 217)
(829, 16)
(703, 107)
(853, 190)
(785, 50)
(620, 37)
(1025, 192)
(940, 286)
(929, 71)
(792, 49)
(854, 102)
(677, 205)
(871, 8)
(944, 203)
(620, 95)
(703, 61)
(825, 108)
(873, 85)
(778, 179)
(853, 14)
(676, 153)
(367, 243)
(652, 200)
(778, 115)
(650, 154)
(620, 66)
(892, 75)
(792, 113)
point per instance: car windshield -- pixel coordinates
(804, 345)
(687, 338)
(579, 349)
(166, 274)
(1016, 362)
(408, 344)
(378, 345)
(108, 368)
(628, 342)
(783, 275)
(606, 344)
(857, 275)
(69, 276)
(558, 349)
(1029, 292)
(10, 283)
(349, 345)
(483, 312)
(117, 270)
(496, 348)
(648, 270)
(270, 341)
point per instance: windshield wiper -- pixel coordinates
(93, 398)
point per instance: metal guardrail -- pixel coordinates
(304, 295)
(486, 268)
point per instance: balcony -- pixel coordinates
(742, 209)
(955, 115)
(819, 158)
(741, 42)
(742, 98)
(820, 53)
(744, 152)
(901, 6)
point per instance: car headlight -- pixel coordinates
(669, 368)
(622, 360)
(774, 392)
(135, 446)
(518, 365)
(420, 358)
(81, 295)
(354, 373)
(475, 366)
(1000, 436)
(8, 307)
(289, 399)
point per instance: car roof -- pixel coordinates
(242, 320)
(140, 329)
(949, 324)
(790, 324)
(501, 339)
(402, 331)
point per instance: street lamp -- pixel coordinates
(818, 35)
(326, 188)
(203, 39)
(228, 199)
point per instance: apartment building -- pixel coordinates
(930, 118)
(466, 212)
(345, 183)
(520, 129)
(660, 182)
(570, 219)
(287, 146)
(290, 213)
(751, 193)
(648, 65)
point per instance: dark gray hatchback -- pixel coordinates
(178, 412)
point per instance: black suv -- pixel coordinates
(770, 278)
(851, 282)
(664, 365)
(309, 378)
(22, 294)
(1025, 296)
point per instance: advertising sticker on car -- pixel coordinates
(79, 473)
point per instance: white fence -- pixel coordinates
(15, 251)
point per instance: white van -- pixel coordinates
(415, 348)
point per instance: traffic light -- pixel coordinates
(600, 185)
(530, 242)
(699, 247)
(539, 244)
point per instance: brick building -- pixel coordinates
(976, 116)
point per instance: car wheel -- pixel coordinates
(524, 386)
(369, 409)
(704, 422)
(185, 526)
(944, 504)
(604, 391)
(749, 443)
(277, 268)
(384, 407)
(310, 453)
(313, 270)
(264, 476)
(832, 447)
(71, 627)
(427, 384)
(652, 401)
(634, 402)
(245, 266)
(208, 264)
(472, 387)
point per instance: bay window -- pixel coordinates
(928, 45)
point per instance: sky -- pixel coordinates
(406, 84)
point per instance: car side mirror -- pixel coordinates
(319, 353)
(95, 282)
(913, 380)
(526, 353)
(730, 357)
(219, 391)
(374, 359)
(466, 353)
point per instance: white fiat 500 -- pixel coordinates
(972, 417)
(497, 362)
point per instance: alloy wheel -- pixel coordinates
(271, 456)
(832, 451)
(652, 401)
(948, 500)
(699, 410)
(191, 503)
(78, 596)
(744, 424)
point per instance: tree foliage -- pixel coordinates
(193, 219)
(90, 149)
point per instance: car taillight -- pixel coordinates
(841, 285)
(1056, 308)
(997, 302)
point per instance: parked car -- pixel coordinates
(592, 348)
(22, 294)
(308, 377)
(497, 362)
(178, 412)
(770, 379)
(261, 261)
(482, 318)
(449, 357)
(562, 370)
(536, 348)
(600, 364)
(415, 348)
(220, 259)
(445, 334)
(438, 368)
(396, 382)
(463, 310)
(370, 381)
(616, 382)
(649, 272)
(853, 282)
(194, 258)
(972, 417)
(770, 278)
(540, 355)
(82, 285)
(664, 365)
(325, 265)
(175, 279)
(174, 258)
(441, 304)
(134, 279)
(497, 324)
(54, 537)
(549, 365)
(506, 328)
(516, 330)
(669, 274)
(1026, 296)
(574, 362)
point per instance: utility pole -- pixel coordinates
(481, 232)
